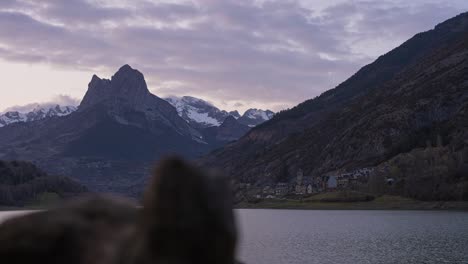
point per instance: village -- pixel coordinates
(304, 185)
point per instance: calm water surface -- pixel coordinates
(302, 237)
(296, 236)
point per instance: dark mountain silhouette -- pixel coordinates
(230, 130)
(402, 102)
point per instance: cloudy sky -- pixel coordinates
(234, 53)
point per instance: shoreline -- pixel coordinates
(386, 203)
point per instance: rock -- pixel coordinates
(229, 130)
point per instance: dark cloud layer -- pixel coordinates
(261, 53)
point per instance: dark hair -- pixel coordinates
(187, 216)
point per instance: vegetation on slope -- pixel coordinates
(415, 94)
(22, 183)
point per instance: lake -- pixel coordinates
(335, 236)
(299, 236)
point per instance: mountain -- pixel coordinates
(197, 112)
(253, 117)
(230, 130)
(126, 94)
(202, 114)
(235, 114)
(111, 141)
(411, 101)
(38, 113)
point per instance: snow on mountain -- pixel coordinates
(235, 114)
(258, 113)
(202, 114)
(198, 112)
(37, 113)
(254, 117)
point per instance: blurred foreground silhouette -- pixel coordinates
(187, 217)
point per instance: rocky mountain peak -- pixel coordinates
(126, 96)
(202, 114)
(126, 84)
(128, 81)
(197, 112)
(230, 120)
(235, 114)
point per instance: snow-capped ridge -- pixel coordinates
(203, 114)
(38, 112)
(258, 113)
(198, 112)
(254, 117)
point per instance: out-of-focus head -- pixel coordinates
(188, 216)
(89, 230)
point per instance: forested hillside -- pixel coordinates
(22, 182)
(389, 116)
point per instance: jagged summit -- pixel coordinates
(126, 84)
(229, 120)
(202, 114)
(235, 114)
(126, 92)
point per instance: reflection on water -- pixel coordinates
(4, 215)
(295, 236)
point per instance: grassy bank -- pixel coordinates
(324, 201)
(42, 201)
(385, 202)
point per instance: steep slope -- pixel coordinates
(235, 114)
(38, 113)
(127, 90)
(229, 130)
(406, 97)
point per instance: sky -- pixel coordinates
(269, 54)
